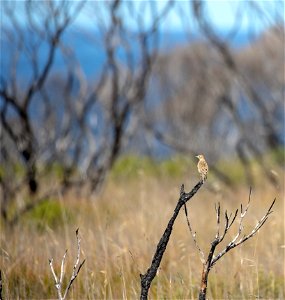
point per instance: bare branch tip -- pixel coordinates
(272, 204)
(83, 262)
(182, 190)
(249, 196)
(217, 207)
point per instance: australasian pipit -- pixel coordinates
(202, 167)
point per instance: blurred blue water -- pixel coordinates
(90, 52)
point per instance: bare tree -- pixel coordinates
(59, 119)
(56, 121)
(212, 93)
(46, 23)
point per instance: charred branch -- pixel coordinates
(147, 278)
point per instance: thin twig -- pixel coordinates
(75, 272)
(234, 244)
(202, 255)
(1, 285)
(75, 269)
(57, 283)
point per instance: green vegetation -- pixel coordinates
(278, 156)
(269, 284)
(56, 170)
(234, 169)
(131, 166)
(17, 169)
(50, 213)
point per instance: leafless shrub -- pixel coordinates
(62, 294)
(211, 258)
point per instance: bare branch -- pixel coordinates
(218, 213)
(62, 267)
(228, 224)
(147, 278)
(193, 234)
(75, 272)
(1, 285)
(54, 40)
(229, 220)
(76, 269)
(57, 283)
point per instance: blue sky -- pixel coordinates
(223, 14)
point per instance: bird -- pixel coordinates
(202, 167)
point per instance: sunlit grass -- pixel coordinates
(120, 229)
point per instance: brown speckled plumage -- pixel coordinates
(202, 167)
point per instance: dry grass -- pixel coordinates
(120, 230)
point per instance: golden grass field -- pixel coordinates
(120, 229)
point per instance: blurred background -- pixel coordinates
(96, 94)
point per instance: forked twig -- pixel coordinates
(76, 269)
(234, 243)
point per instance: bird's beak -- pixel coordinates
(197, 156)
